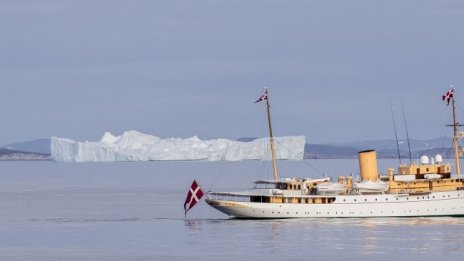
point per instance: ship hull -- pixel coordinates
(382, 205)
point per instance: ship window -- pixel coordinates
(299, 200)
(375, 199)
(355, 200)
(365, 199)
(299, 187)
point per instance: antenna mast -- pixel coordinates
(407, 133)
(396, 135)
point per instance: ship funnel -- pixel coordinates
(368, 165)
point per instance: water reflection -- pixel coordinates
(364, 236)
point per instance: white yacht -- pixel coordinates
(422, 189)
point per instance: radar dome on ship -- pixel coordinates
(438, 158)
(424, 159)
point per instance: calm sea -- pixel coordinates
(134, 211)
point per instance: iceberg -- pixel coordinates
(135, 146)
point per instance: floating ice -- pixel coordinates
(136, 146)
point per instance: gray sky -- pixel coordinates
(181, 68)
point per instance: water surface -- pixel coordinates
(134, 211)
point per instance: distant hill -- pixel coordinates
(8, 154)
(315, 151)
(390, 144)
(385, 148)
(41, 146)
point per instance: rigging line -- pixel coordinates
(407, 133)
(396, 134)
(263, 166)
(221, 172)
(307, 163)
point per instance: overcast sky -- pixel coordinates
(76, 69)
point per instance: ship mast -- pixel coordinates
(271, 138)
(455, 138)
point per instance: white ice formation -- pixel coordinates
(136, 146)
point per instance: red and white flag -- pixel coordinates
(448, 96)
(194, 195)
(263, 97)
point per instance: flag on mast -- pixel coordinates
(262, 97)
(194, 195)
(448, 96)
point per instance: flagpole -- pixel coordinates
(455, 139)
(271, 138)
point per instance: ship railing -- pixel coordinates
(229, 196)
(424, 190)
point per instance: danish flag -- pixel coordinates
(448, 96)
(263, 97)
(194, 195)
